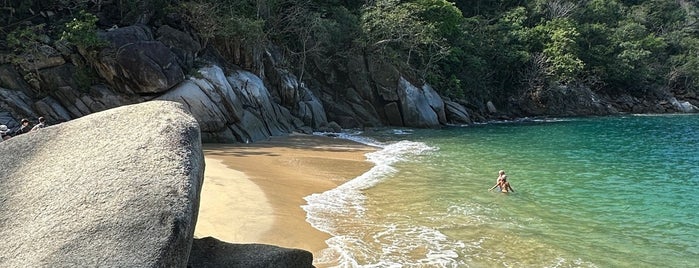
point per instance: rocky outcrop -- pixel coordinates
(181, 44)
(292, 93)
(564, 101)
(118, 188)
(457, 114)
(237, 107)
(683, 106)
(420, 107)
(141, 63)
(210, 252)
(371, 92)
(135, 63)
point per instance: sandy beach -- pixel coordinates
(253, 193)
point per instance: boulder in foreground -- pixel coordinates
(119, 188)
(210, 252)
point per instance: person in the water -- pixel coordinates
(500, 174)
(504, 185)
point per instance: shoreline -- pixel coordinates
(253, 193)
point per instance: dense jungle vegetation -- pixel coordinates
(464, 48)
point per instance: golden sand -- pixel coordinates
(253, 193)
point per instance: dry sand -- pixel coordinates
(253, 193)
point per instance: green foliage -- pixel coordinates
(82, 31)
(230, 20)
(401, 32)
(475, 49)
(466, 49)
(450, 87)
(637, 51)
(559, 38)
(85, 77)
(443, 14)
(684, 66)
(14, 11)
(26, 39)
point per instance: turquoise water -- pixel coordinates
(589, 192)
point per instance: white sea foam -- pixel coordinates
(402, 131)
(354, 136)
(348, 201)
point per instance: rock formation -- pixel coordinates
(141, 63)
(119, 188)
(209, 252)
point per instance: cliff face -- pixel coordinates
(141, 63)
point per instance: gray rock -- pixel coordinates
(17, 103)
(101, 98)
(52, 110)
(335, 127)
(45, 57)
(491, 107)
(11, 79)
(181, 43)
(197, 102)
(210, 252)
(118, 188)
(250, 128)
(134, 63)
(393, 115)
(127, 35)
(312, 113)
(435, 102)
(358, 77)
(59, 76)
(237, 107)
(296, 96)
(149, 66)
(685, 106)
(456, 113)
(256, 99)
(416, 106)
(386, 77)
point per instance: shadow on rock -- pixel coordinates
(211, 252)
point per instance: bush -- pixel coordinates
(82, 31)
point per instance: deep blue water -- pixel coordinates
(589, 192)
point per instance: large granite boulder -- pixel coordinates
(127, 35)
(293, 94)
(209, 252)
(181, 44)
(457, 113)
(135, 63)
(277, 120)
(119, 188)
(416, 106)
(237, 107)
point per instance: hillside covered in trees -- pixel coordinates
(524, 56)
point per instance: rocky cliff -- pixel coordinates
(140, 63)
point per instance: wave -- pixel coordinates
(342, 209)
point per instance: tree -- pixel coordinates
(560, 49)
(82, 31)
(397, 31)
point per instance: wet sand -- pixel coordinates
(253, 193)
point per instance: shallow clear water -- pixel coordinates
(590, 192)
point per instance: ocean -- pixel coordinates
(589, 192)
